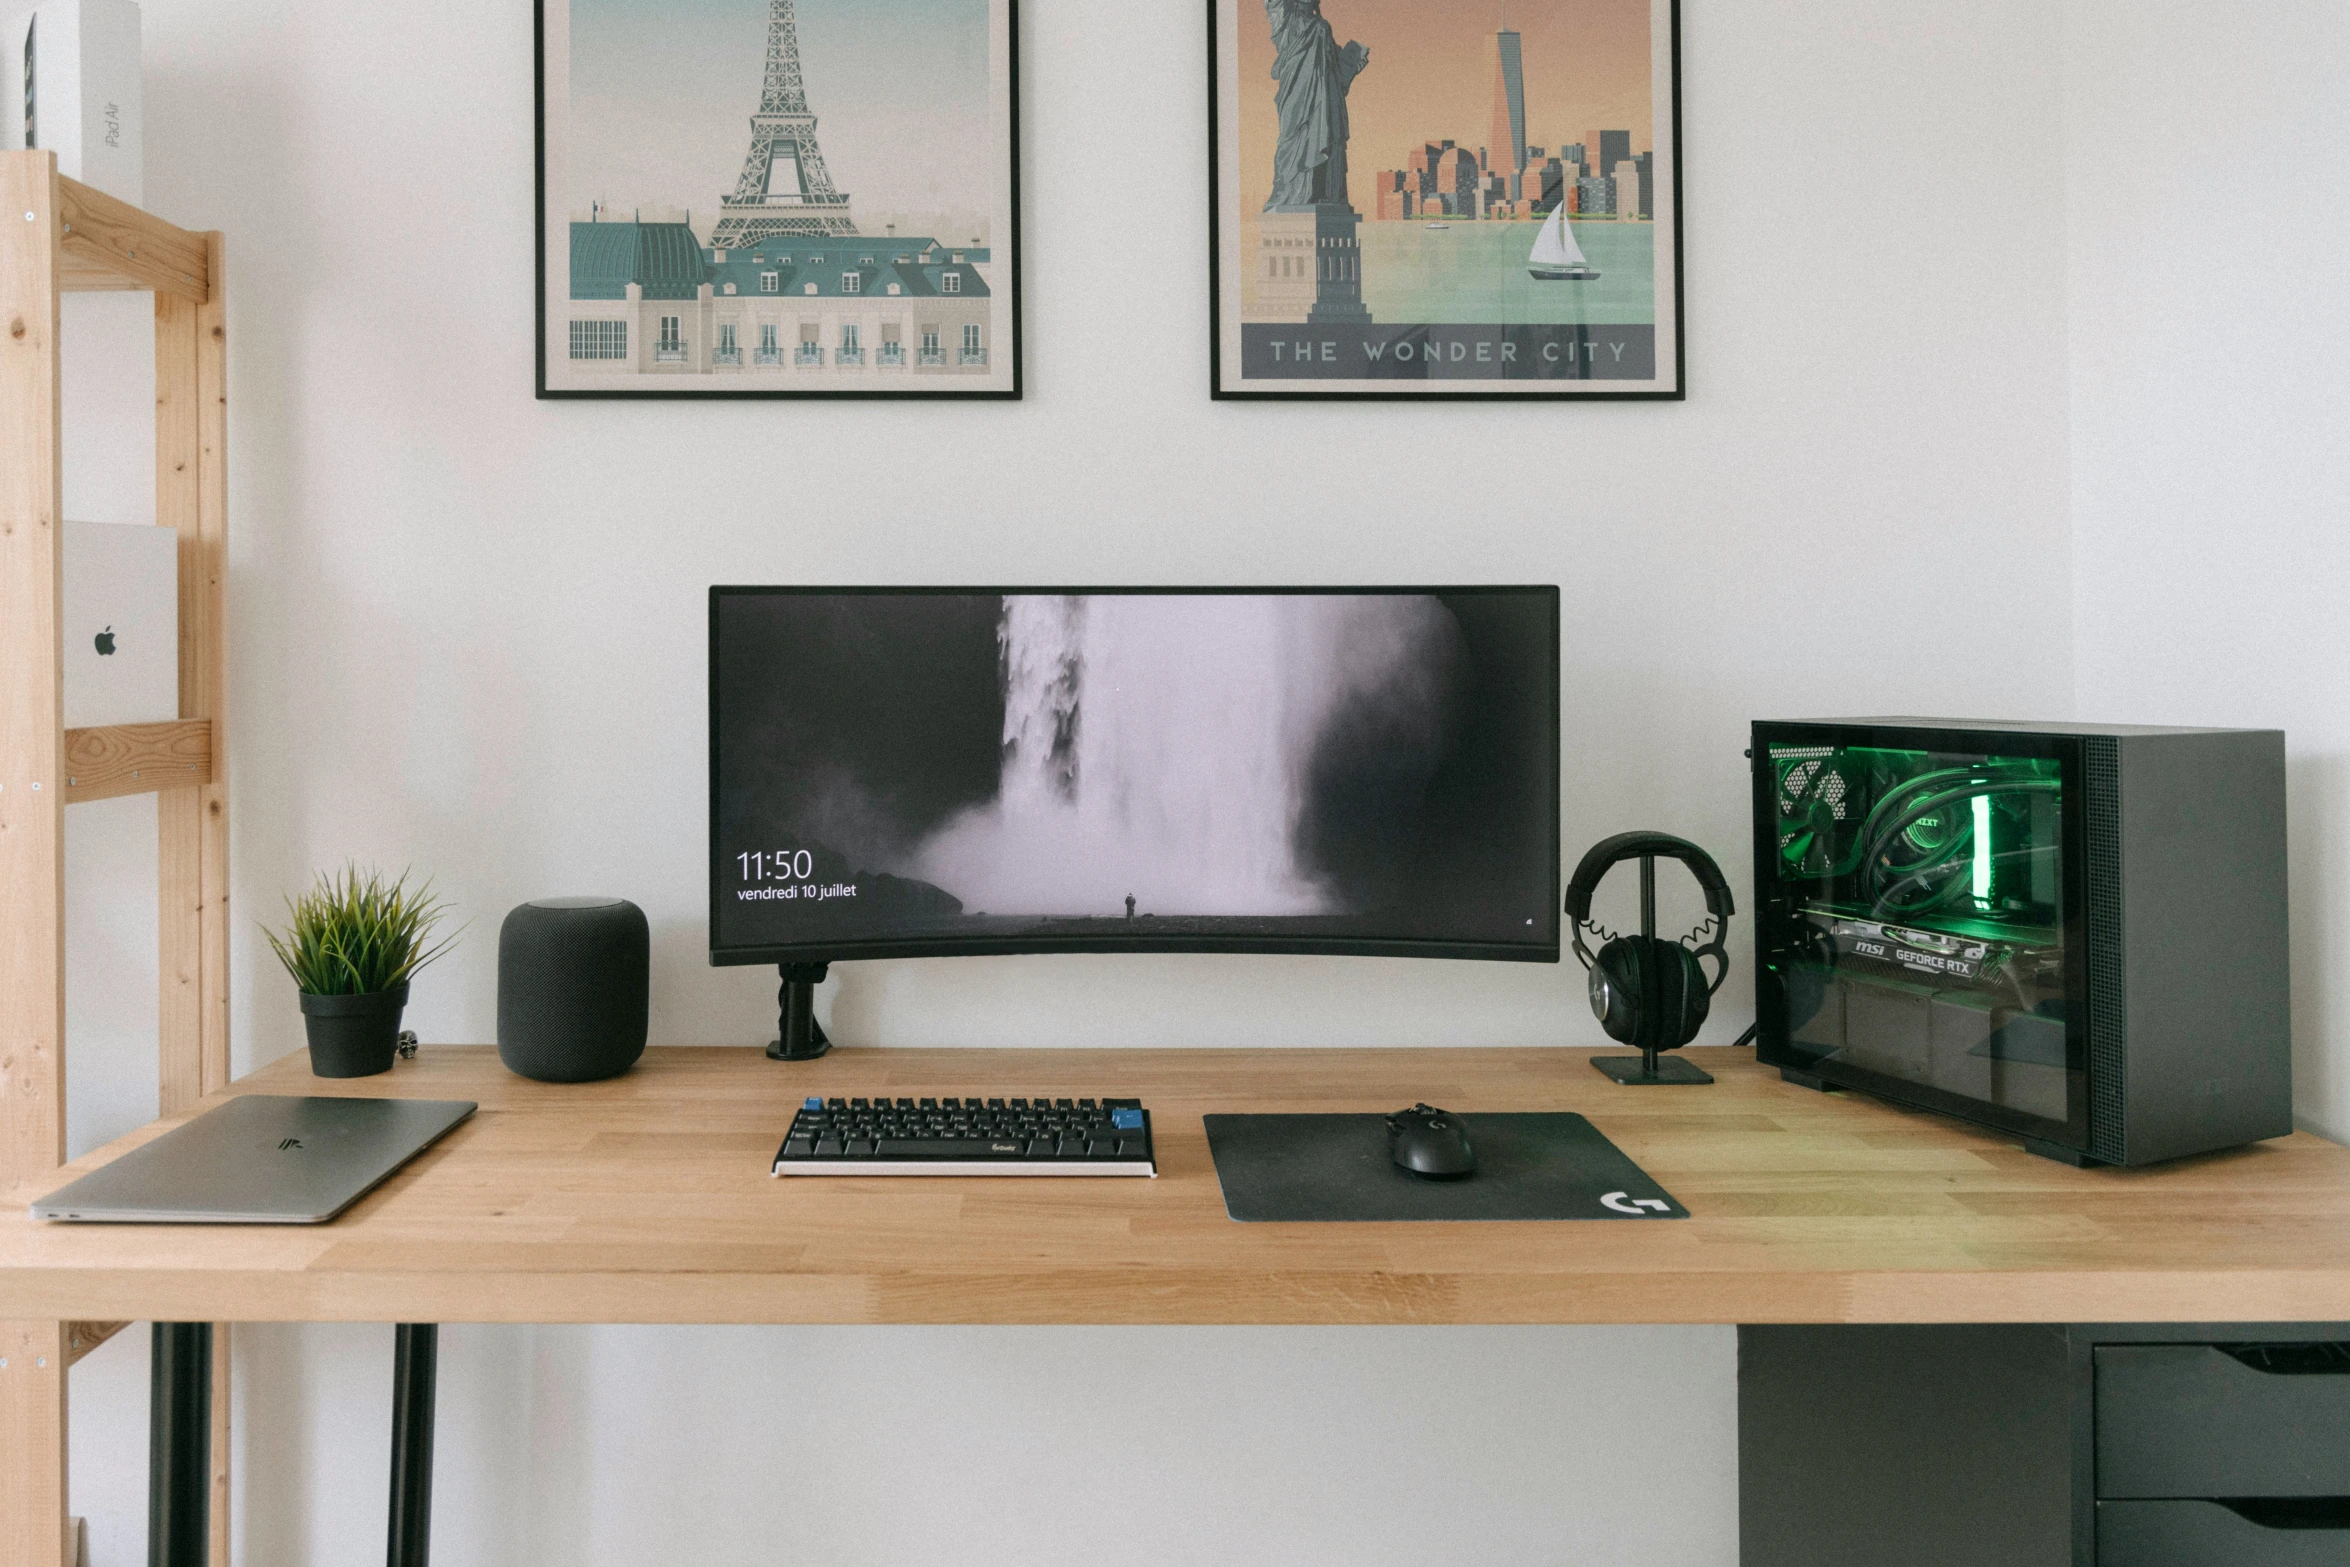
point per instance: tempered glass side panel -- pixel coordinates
(1917, 889)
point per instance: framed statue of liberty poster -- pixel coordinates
(778, 198)
(1424, 198)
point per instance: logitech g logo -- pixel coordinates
(1635, 1206)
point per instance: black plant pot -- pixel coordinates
(354, 1036)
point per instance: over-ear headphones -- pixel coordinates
(1647, 991)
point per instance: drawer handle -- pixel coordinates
(2291, 1512)
(2293, 1360)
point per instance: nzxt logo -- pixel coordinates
(291, 1142)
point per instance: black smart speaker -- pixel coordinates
(572, 988)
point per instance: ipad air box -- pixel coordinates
(76, 65)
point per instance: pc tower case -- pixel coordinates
(2076, 934)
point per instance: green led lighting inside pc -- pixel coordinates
(1919, 913)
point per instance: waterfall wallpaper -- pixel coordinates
(1034, 771)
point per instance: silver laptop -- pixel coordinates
(260, 1159)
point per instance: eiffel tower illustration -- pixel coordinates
(784, 188)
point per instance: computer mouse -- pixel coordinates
(1431, 1142)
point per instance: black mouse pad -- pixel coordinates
(1326, 1168)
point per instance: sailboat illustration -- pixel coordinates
(1556, 258)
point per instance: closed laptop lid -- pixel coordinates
(259, 1159)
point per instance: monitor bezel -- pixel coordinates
(1017, 946)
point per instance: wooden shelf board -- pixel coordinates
(105, 244)
(137, 759)
(647, 1199)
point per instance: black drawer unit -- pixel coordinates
(2213, 1534)
(2038, 1446)
(2234, 1420)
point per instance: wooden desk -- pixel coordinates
(647, 1199)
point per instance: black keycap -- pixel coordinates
(1019, 1104)
(1132, 1148)
(836, 1104)
(1072, 1147)
(1063, 1104)
(1085, 1104)
(1040, 1148)
(995, 1104)
(858, 1148)
(828, 1148)
(799, 1147)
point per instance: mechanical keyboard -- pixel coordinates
(968, 1137)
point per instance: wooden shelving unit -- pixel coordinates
(58, 236)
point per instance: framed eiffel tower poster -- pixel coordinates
(778, 198)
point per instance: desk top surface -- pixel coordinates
(648, 1199)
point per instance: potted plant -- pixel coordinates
(352, 943)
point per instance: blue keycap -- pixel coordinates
(813, 1103)
(1126, 1120)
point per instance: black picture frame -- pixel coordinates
(1011, 274)
(1556, 390)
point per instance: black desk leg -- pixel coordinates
(179, 1445)
(414, 1359)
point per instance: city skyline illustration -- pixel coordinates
(662, 93)
(1586, 64)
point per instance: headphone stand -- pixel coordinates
(1650, 1066)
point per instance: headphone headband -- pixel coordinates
(1610, 852)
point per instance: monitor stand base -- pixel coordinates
(1652, 1068)
(799, 1037)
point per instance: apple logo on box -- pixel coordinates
(105, 641)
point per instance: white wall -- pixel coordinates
(2210, 333)
(467, 633)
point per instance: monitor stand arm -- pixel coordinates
(799, 1037)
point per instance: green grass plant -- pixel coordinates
(354, 935)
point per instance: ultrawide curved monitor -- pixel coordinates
(906, 772)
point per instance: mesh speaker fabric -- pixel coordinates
(573, 993)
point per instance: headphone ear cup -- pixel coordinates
(1617, 988)
(1681, 982)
